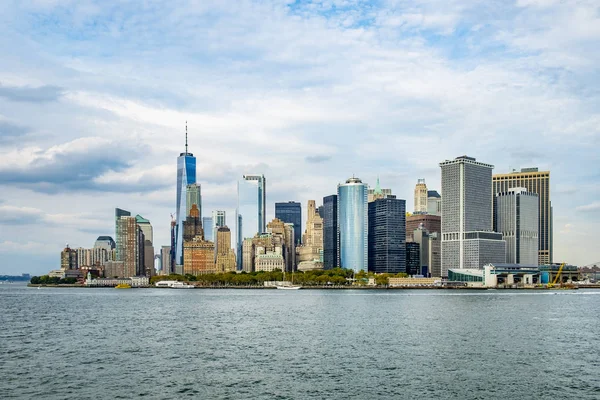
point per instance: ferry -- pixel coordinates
(174, 285)
(123, 286)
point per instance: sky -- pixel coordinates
(95, 95)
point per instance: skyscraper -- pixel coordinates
(353, 224)
(467, 237)
(118, 214)
(193, 193)
(186, 175)
(225, 258)
(291, 212)
(209, 228)
(387, 235)
(516, 216)
(219, 218)
(130, 246)
(146, 228)
(251, 207)
(434, 203)
(538, 182)
(378, 192)
(330, 232)
(312, 240)
(421, 197)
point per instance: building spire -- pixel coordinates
(186, 146)
(378, 187)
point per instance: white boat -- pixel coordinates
(174, 285)
(290, 287)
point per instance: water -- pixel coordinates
(307, 344)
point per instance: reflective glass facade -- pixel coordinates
(330, 232)
(291, 212)
(353, 224)
(186, 175)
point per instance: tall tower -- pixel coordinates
(467, 237)
(291, 212)
(421, 196)
(387, 235)
(516, 216)
(251, 207)
(353, 224)
(186, 175)
(330, 232)
(535, 182)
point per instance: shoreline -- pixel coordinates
(323, 287)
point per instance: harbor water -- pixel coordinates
(70, 343)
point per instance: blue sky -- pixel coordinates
(94, 96)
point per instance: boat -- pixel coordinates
(123, 286)
(288, 286)
(174, 285)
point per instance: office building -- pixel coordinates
(199, 257)
(118, 214)
(209, 228)
(330, 232)
(193, 194)
(105, 242)
(291, 212)
(248, 255)
(413, 259)
(68, 258)
(251, 209)
(434, 203)
(387, 236)
(225, 258)
(353, 224)
(537, 182)
(467, 237)
(165, 260)
(420, 197)
(192, 227)
(186, 175)
(433, 223)
(434, 258)
(130, 247)
(146, 228)
(282, 235)
(312, 240)
(516, 216)
(219, 218)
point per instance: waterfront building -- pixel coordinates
(516, 216)
(537, 182)
(118, 214)
(248, 255)
(330, 232)
(434, 258)
(467, 237)
(290, 245)
(378, 192)
(283, 236)
(186, 175)
(312, 240)
(199, 257)
(269, 261)
(130, 247)
(291, 212)
(209, 228)
(434, 203)
(115, 269)
(193, 194)
(420, 197)
(433, 223)
(251, 208)
(225, 258)
(68, 258)
(413, 259)
(387, 236)
(165, 260)
(353, 224)
(421, 237)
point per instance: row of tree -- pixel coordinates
(336, 276)
(52, 280)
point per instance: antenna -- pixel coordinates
(186, 146)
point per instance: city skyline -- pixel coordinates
(95, 121)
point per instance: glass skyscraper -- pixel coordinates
(251, 208)
(330, 232)
(186, 175)
(193, 196)
(353, 225)
(291, 212)
(387, 236)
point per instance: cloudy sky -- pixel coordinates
(94, 96)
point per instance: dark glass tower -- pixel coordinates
(330, 229)
(413, 259)
(387, 236)
(291, 212)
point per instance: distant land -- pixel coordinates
(23, 277)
